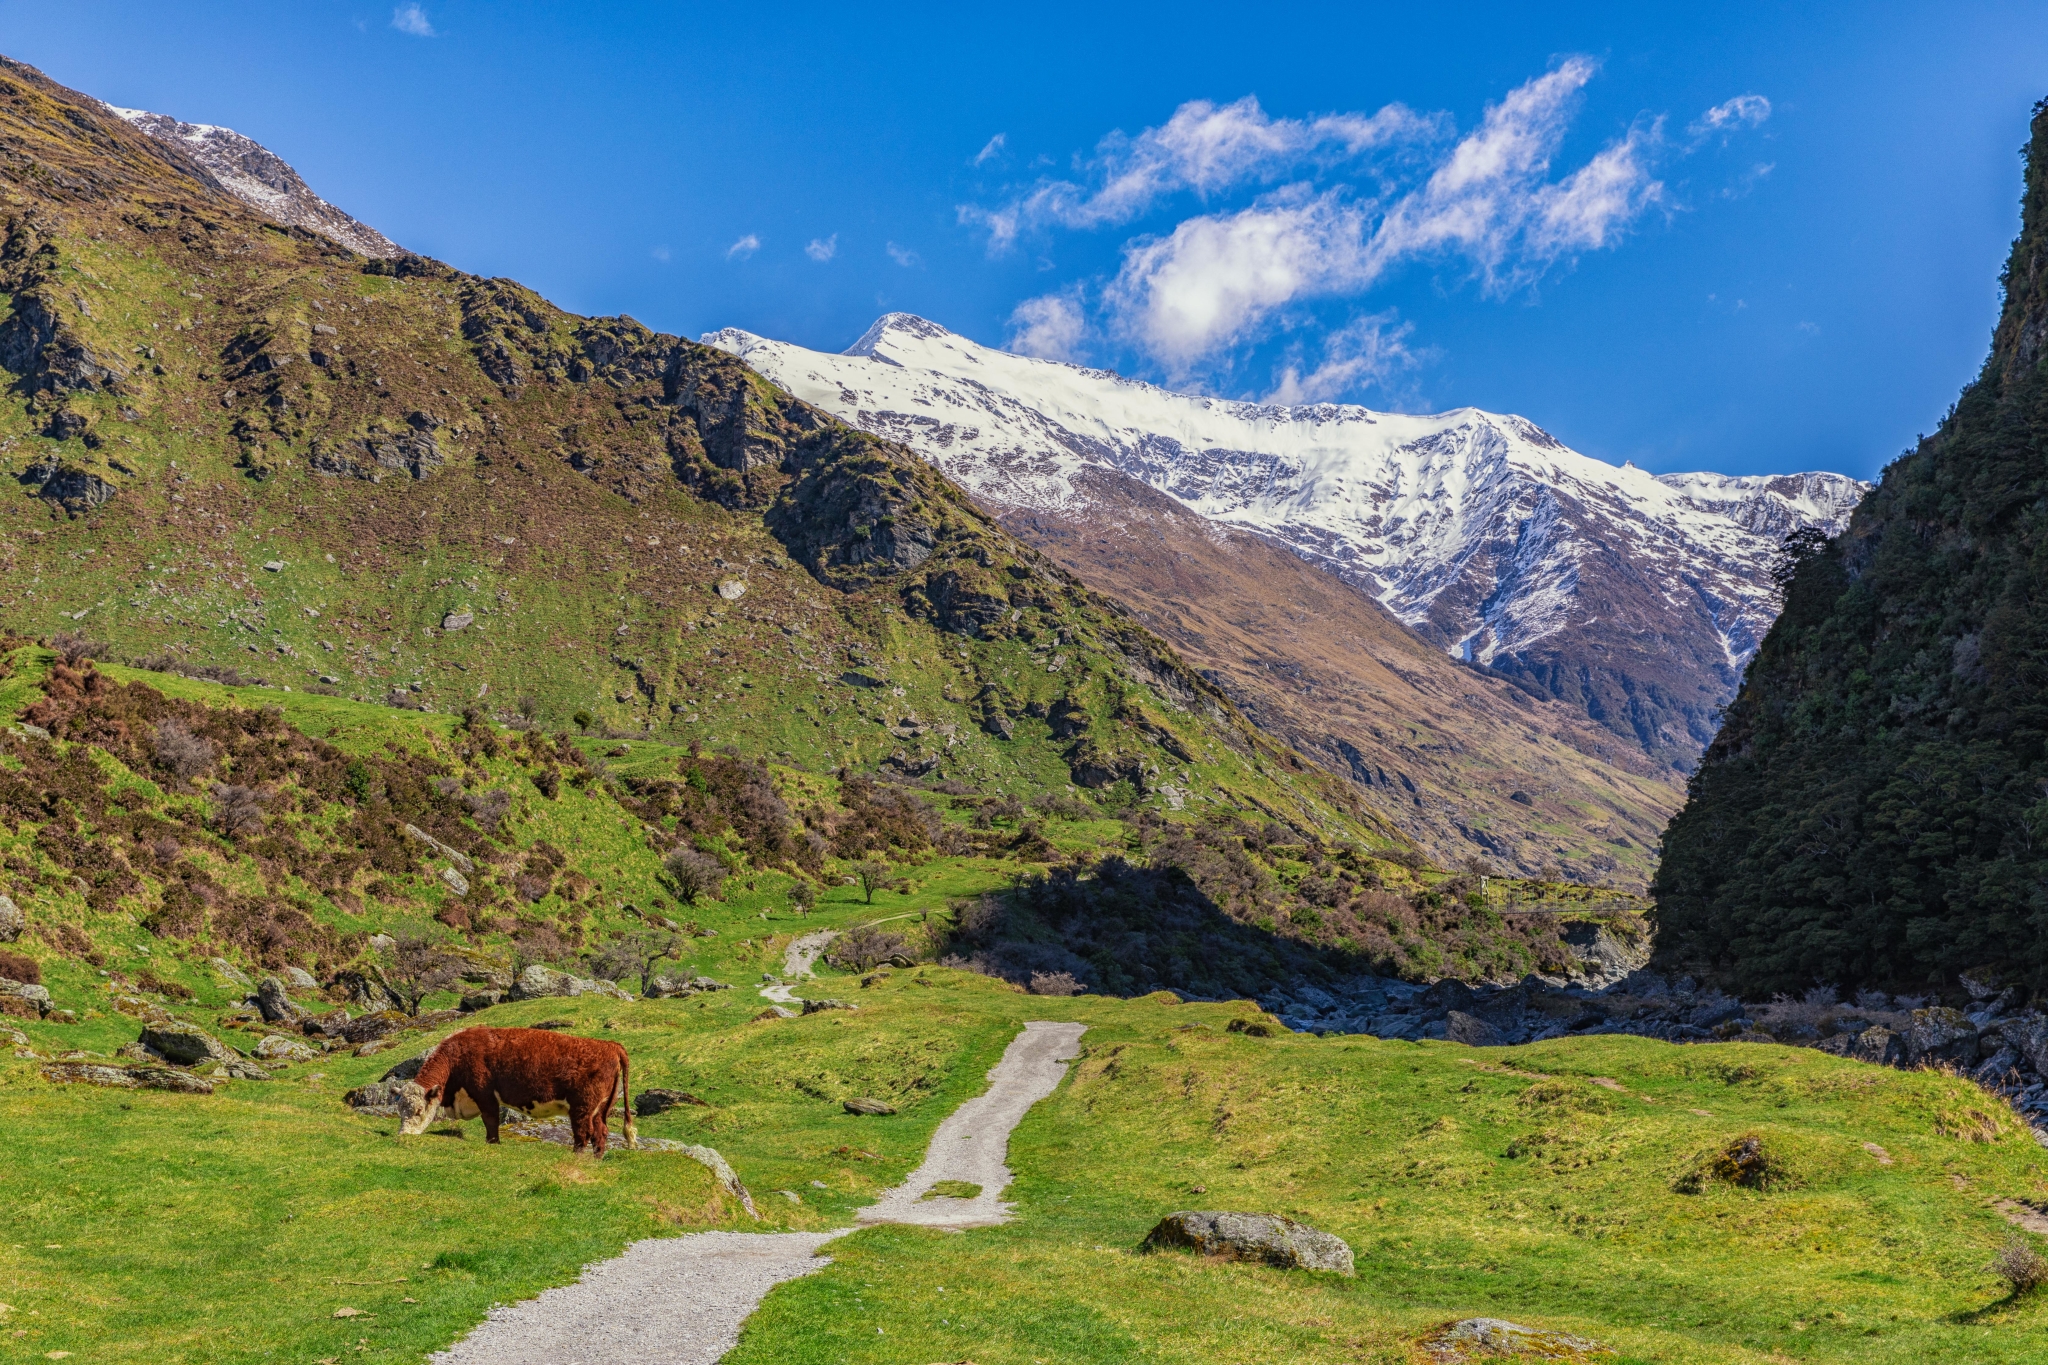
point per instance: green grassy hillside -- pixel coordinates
(244, 452)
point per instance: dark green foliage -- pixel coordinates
(1875, 808)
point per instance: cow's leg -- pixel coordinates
(487, 1105)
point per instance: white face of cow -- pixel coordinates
(415, 1109)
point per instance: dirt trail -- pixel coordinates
(682, 1300)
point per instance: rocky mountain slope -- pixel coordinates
(1635, 598)
(261, 179)
(244, 449)
(1872, 810)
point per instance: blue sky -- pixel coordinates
(1746, 239)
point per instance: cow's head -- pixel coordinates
(416, 1108)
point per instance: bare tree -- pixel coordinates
(875, 875)
(175, 747)
(803, 896)
(693, 874)
(413, 968)
(238, 810)
(863, 948)
(636, 955)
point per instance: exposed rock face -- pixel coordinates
(260, 178)
(1263, 1237)
(538, 982)
(129, 1078)
(277, 1007)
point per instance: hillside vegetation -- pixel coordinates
(1872, 812)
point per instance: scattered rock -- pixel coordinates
(1263, 1237)
(731, 589)
(457, 883)
(456, 620)
(868, 1108)
(723, 1173)
(1940, 1034)
(455, 856)
(1460, 1027)
(368, 1028)
(667, 987)
(278, 1048)
(299, 979)
(1878, 1045)
(129, 1077)
(538, 982)
(378, 1097)
(38, 997)
(820, 1006)
(12, 921)
(773, 1012)
(277, 1007)
(1478, 1339)
(183, 1044)
(648, 1103)
(481, 1000)
(229, 972)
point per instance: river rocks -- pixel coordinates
(128, 1077)
(1940, 1034)
(648, 1103)
(277, 1007)
(538, 982)
(867, 1108)
(183, 1044)
(278, 1048)
(1265, 1237)
(12, 921)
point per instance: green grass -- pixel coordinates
(1469, 1182)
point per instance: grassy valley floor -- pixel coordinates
(1541, 1184)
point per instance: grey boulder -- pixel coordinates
(128, 1077)
(867, 1108)
(12, 921)
(1879, 1046)
(183, 1044)
(299, 979)
(538, 982)
(39, 996)
(665, 987)
(1470, 1029)
(278, 1048)
(1265, 1237)
(277, 1007)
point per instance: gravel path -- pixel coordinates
(797, 961)
(973, 1144)
(682, 1300)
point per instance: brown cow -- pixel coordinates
(479, 1069)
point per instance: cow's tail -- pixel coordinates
(625, 1093)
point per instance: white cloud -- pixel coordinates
(902, 255)
(1052, 327)
(412, 19)
(992, 150)
(1215, 278)
(743, 248)
(1204, 147)
(1364, 352)
(822, 248)
(1744, 111)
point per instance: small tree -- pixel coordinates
(187, 755)
(875, 875)
(237, 810)
(636, 955)
(413, 968)
(803, 896)
(864, 948)
(693, 874)
(584, 720)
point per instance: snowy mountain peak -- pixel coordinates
(1481, 530)
(261, 179)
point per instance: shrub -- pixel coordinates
(16, 967)
(150, 981)
(693, 874)
(1745, 1163)
(489, 808)
(238, 810)
(1056, 983)
(73, 647)
(2020, 1265)
(864, 948)
(176, 748)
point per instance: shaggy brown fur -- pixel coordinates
(530, 1069)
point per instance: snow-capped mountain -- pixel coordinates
(261, 179)
(1637, 597)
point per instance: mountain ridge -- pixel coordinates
(1479, 530)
